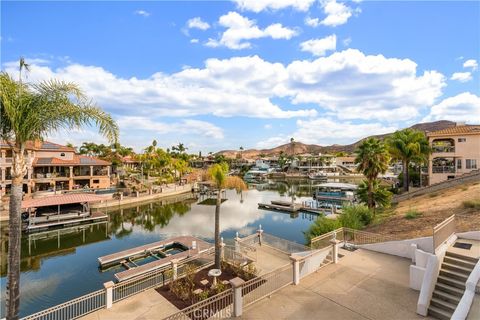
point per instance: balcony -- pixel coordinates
(438, 149)
(443, 169)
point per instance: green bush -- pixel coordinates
(473, 204)
(412, 214)
(355, 217)
(321, 226)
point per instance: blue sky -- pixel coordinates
(220, 75)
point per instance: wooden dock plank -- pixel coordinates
(46, 225)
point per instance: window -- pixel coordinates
(471, 164)
(96, 181)
(62, 154)
(462, 139)
(459, 163)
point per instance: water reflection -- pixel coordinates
(62, 264)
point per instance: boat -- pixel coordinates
(259, 172)
(334, 195)
(318, 176)
(60, 211)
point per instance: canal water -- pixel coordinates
(60, 265)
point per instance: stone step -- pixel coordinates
(456, 268)
(454, 275)
(439, 313)
(461, 257)
(449, 289)
(451, 282)
(442, 304)
(459, 262)
(442, 295)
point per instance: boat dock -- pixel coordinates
(125, 257)
(281, 206)
(64, 222)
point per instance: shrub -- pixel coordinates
(321, 226)
(412, 214)
(354, 217)
(473, 204)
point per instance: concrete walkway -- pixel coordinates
(364, 285)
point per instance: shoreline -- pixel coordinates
(113, 203)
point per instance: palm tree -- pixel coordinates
(372, 159)
(381, 196)
(408, 145)
(31, 112)
(218, 174)
(292, 145)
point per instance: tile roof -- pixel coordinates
(77, 160)
(41, 145)
(62, 199)
(465, 129)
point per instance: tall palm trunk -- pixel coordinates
(406, 178)
(14, 236)
(217, 229)
(371, 204)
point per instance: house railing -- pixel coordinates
(72, 309)
(323, 240)
(263, 286)
(443, 149)
(350, 236)
(219, 306)
(443, 169)
(443, 231)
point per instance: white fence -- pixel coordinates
(219, 306)
(277, 243)
(315, 260)
(263, 286)
(72, 309)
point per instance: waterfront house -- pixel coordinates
(53, 166)
(455, 151)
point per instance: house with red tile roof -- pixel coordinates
(455, 151)
(54, 166)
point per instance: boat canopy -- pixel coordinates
(62, 199)
(338, 185)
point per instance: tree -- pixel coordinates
(372, 159)
(381, 196)
(218, 174)
(408, 145)
(30, 112)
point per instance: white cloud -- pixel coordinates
(268, 126)
(240, 28)
(260, 5)
(337, 13)
(194, 40)
(346, 42)
(461, 76)
(273, 141)
(142, 13)
(197, 23)
(318, 47)
(186, 126)
(326, 131)
(353, 85)
(312, 22)
(471, 63)
(462, 107)
(345, 85)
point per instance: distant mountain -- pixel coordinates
(300, 147)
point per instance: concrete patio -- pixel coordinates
(363, 285)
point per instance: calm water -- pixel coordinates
(62, 264)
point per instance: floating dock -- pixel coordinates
(281, 206)
(54, 222)
(125, 257)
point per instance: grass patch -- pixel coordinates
(433, 195)
(412, 214)
(471, 204)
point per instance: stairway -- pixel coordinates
(450, 285)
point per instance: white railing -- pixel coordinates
(263, 286)
(158, 277)
(323, 240)
(282, 244)
(315, 261)
(219, 306)
(72, 309)
(443, 231)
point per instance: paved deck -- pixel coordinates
(363, 285)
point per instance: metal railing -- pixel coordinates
(263, 286)
(219, 306)
(158, 277)
(443, 149)
(350, 236)
(443, 169)
(248, 251)
(442, 231)
(283, 245)
(316, 260)
(72, 309)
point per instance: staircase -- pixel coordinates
(450, 285)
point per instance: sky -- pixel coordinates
(218, 75)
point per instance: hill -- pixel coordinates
(300, 147)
